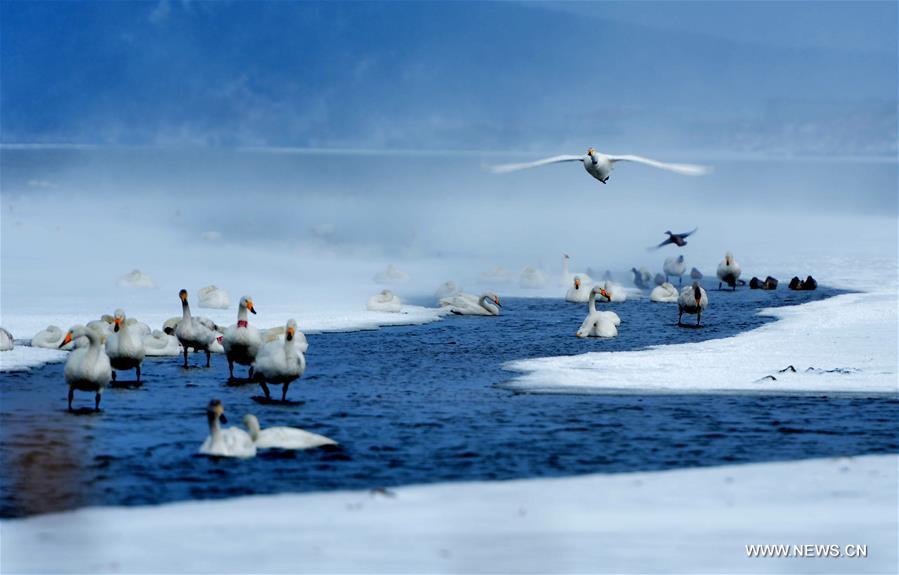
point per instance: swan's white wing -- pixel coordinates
(503, 168)
(686, 169)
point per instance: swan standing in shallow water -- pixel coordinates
(665, 293)
(283, 437)
(192, 333)
(729, 271)
(242, 341)
(674, 267)
(385, 301)
(227, 442)
(600, 165)
(579, 292)
(599, 323)
(280, 363)
(467, 304)
(124, 346)
(693, 300)
(6, 340)
(87, 367)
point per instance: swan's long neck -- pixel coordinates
(564, 266)
(185, 311)
(591, 303)
(214, 429)
(242, 315)
(253, 428)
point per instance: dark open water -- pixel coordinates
(414, 405)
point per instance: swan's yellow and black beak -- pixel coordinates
(496, 301)
(290, 332)
(118, 323)
(577, 283)
(66, 340)
(591, 151)
(605, 294)
(183, 295)
(250, 306)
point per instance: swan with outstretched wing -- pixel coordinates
(600, 165)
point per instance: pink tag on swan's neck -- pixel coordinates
(242, 323)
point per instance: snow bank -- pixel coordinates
(843, 344)
(690, 520)
(23, 357)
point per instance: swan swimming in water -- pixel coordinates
(385, 301)
(728, 271)
(600, 165)
(124, 346)
(87, 367)
(280, 363)
(283, 437)
(599, 323)
(6, 340)
(693, 300)
(467, 304)
(665, 293)
(192, 333)
(227, 442)
(160, 344)
(579, 292)
(212, 297)
(674, 267)
(568, 277)
(242, 341)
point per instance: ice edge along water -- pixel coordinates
(847, 343)
(687, 520)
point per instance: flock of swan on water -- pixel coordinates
(276, 357)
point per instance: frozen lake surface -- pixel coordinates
(419, 404)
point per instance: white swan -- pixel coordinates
(579, 292)
(599, 323)
(49, 338)
(87, 367)
(693, 300)
(385, 301)
(674, 267)
(6, 340)
(447, 289)
(665, 293)
(227, 442)
(728, 271)
(614, 292)
(600, 165)
(213, 297)
(390, 275)
(242, 341)
(125, 346)
(467, 304)
(137, 279)
(160, 344)
(531, 278)
(283, 437)
(280, 363)
(192, 333)
(568, 276)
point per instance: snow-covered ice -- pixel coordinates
(22, 357)
(685, 521)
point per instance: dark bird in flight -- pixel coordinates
(676, 239)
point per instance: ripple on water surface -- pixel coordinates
(416, 404)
